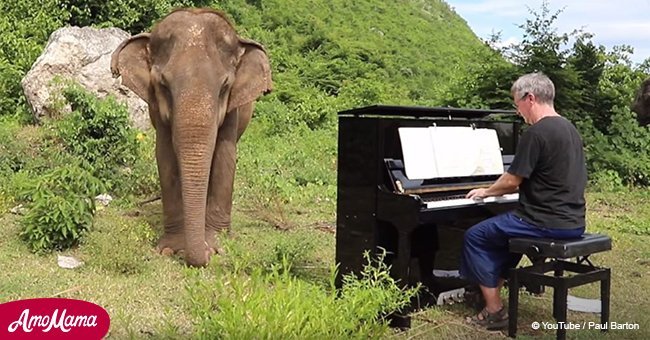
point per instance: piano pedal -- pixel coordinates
(451, 296)
(400, 321)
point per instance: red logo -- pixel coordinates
(53, 318)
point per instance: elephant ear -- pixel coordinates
(641, 104)
(253, 77)
(131, 60)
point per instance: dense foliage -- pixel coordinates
(594, 89)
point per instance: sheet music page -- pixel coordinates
(455, 149)
(489, 161)
(419, 161)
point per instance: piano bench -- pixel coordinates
(558, 251)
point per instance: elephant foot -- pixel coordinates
(198, 258)
(171, 243)
(212, 240)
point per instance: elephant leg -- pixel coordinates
(173, 238)
(222, 176)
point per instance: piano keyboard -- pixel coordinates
(461, 202)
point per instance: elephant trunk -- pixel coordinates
(194, 141)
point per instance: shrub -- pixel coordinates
(99, 131)
(134, 16)
(90, 151)
(61, 208)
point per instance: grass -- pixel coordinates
(146, 295)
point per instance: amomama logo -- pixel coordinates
(53, 318)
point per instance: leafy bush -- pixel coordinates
(98, 132)
(276, 305)
(141, 176)
(61, 208)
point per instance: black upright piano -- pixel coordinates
(418, 224)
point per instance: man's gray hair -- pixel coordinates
(537, 84)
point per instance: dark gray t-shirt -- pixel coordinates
(551, 160)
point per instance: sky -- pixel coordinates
(613, 22)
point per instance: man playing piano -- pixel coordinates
(550, 174)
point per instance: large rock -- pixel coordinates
(82, 55)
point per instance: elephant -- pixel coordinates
(200, 81)
(641, 103)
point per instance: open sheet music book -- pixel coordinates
(450, 151)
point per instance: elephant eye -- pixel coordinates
(163, 80)
(225, 86)
(224, 90)
(226, 81)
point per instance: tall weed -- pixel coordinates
(277, 305)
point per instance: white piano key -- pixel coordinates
(469, 202)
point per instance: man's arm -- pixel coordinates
(506, 184)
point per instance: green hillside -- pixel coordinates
(368, 51)
(326, 55)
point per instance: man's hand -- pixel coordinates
(477, 194)
(506, 184)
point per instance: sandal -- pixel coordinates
(490, 321)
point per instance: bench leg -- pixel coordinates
(513, 301)
(560, 292)
(604, 301)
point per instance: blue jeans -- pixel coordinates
(485, 256)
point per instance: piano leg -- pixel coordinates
(400, 267)
(424, 242)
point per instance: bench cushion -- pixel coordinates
(583, 246)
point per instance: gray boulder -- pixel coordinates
(82, 55)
